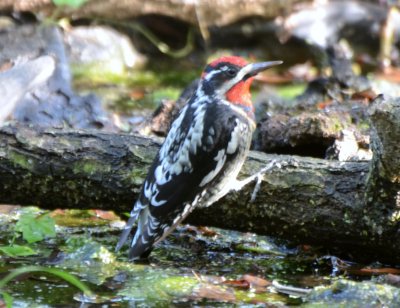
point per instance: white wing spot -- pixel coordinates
(154, 201)
(211, 131)
(234, 142)
(159, 174)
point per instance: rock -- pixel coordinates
(318, 90)
(340, 85)
(345, 293)
(54, 104)
(385, 118)
(24, 77)
(339, 56)
(102, 47)
(306, 134)
(324, 23)
(348, 148)
(163, 117)
(327, 120)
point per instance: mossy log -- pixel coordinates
(349, 205)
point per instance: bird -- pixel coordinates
(201, 156)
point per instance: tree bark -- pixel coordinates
(306, 200)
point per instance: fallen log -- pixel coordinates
(216, 12)
(349, 205)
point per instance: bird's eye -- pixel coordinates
(231, 72)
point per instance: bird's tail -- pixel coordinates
(147, 234)
(129, 225)
(140, 250)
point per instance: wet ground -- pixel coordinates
(192, 267)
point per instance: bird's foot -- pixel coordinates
(259, 176)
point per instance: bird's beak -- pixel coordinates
(253, 69)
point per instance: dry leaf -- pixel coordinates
(241, 284)
(373, 271)
(214, 293)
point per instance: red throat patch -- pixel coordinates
(240, 94)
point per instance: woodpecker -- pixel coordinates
(201, 156)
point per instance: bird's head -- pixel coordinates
(229, 78)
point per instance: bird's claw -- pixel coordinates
(259, 176)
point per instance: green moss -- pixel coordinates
(94, 75)
(137, 176)
(177, 78)
(258, 249)
(90, 167)
(336, 125)
(150, 100)
(292, 90)
(177, 285)
(166, 93)
(347, 218)
(21, 160)
(71, 185)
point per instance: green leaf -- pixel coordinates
(71, 3)
(35, 228)
(56, 272)
(7, 298)
(17, 251)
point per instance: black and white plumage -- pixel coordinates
(201, 155)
